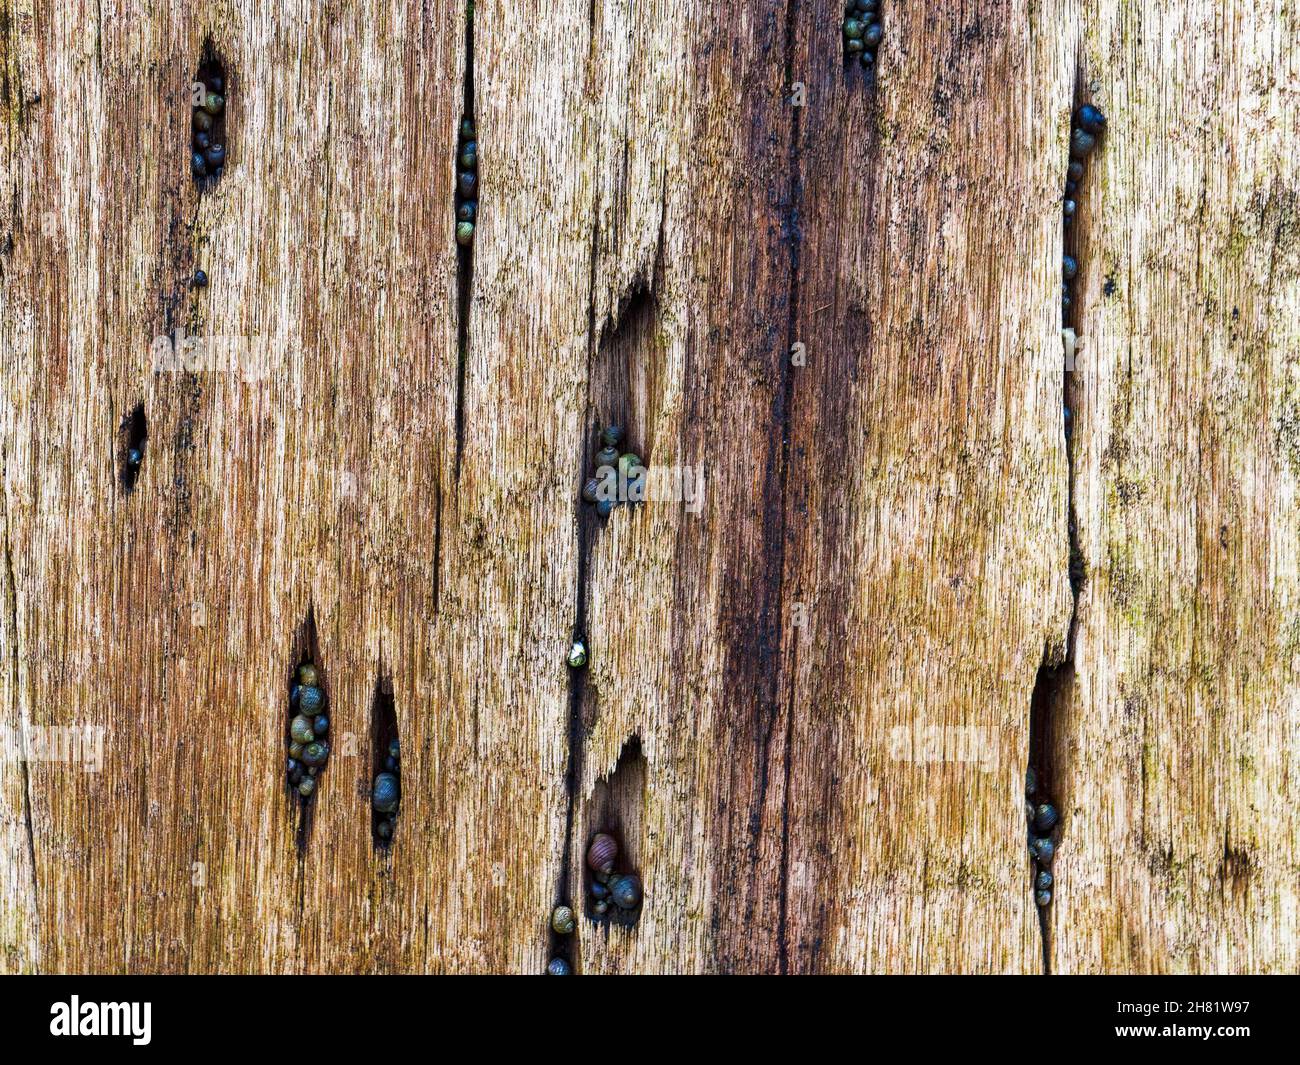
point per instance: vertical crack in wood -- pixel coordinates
(383, 732)
(794, 236)
(15, 659)
(1053, 685)
(464, 253)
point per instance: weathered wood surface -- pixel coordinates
(883, 546)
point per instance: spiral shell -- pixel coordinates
(300, 730)
(562, 920)
(385, 794)
(314, 754)
(626, 892)
(602, 852)
(1046, 817)
(310, 700)
(558, 967)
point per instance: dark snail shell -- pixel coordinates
(562, 920)
(300, 730)
(308, 676)
(385, 793)
(558, 967)
(601, 853)
(1045, 817)
(314, 754)
(626, 892)
(310, 700)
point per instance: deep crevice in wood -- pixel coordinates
(211, 74)
(616, 808)
(383, 732)
(132, 435)
(305, 649)
(465, 253)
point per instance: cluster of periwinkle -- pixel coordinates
(308, 747)
(209, 154)
(1089, 124)
(620, 478)
(609, 888)
(386, 793)
(1042, 818)
(862, 31)
(466, 184)
(563, 922)
(134, 456)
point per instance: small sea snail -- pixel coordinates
(467, 183)
(213, 82)
(853, 29)
(601, 853)
(315, 754)
(558, 967)
(1045, 817)
(600, 908)
(628, 463)
(590, 489)
(295, 750)
(1031, 782)
(598, 890)
(320, 725)
(469, 156)
(134, 457)
(467, 129)
(385, 794)
(310, 700)
(1043, 898)
(301, 731)
(626, 892)
(853, 46)
(201, 140)
(214, 103)
(872, 34)
(308, 676)
(577, 655)
(1069, 267)
(606, 456)
(1081, 144)
(611, 436)
(1075, 171)
(198, 165)
(466, 211)
(200, 279)
(1043, 881)
(306, 786)
(202, 121)
(464, 234)
(384, 830)
(1044, 850)
(1068, 207)
(562, 920)
(1091, 119)
(292, 766)
(605, 508)
(214, 155)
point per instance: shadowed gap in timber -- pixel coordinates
(132, 435)
(209, 132)
(383, 733)
(305, 649)
(617, 808)
(465, 253)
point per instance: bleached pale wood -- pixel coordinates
(883, 545)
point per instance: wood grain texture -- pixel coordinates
(808, 705)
